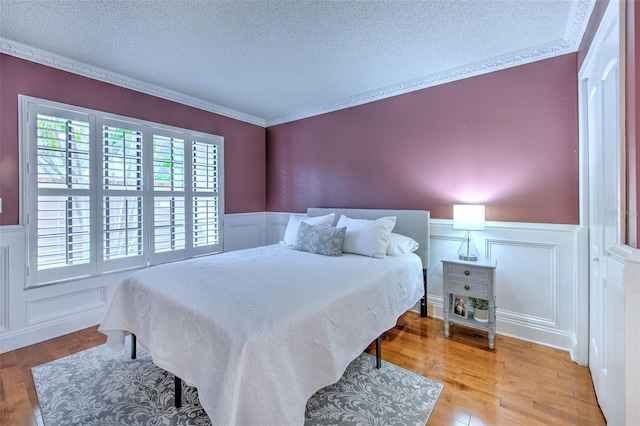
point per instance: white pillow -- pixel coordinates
(367, 237)
(295, 219)
(401, 244)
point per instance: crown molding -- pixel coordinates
(484, 67)
(580, 13)
(42, 57)
(576, 26)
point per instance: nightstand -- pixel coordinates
(462, 281)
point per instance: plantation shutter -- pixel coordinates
(123, 229)
(169, 214)
(59, 189)
(206, 206)
(106, 193)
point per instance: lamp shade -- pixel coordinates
(469, 217)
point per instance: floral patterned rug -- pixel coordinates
(100, 387)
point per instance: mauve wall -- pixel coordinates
(244, 144)
(508, 139)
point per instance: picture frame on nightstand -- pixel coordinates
(460, 307)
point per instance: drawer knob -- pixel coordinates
(466, 287)
(467, 272)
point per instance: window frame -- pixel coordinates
(29, 109)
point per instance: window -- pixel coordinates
(106, 193)
(169, 233)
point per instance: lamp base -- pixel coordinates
(468, 250)
(471, 258)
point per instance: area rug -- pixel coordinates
(101, 387)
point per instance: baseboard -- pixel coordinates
(30, 335)
(520, 328)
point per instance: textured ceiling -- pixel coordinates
(269, 62)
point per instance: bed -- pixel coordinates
(259, 331)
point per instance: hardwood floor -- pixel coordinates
(517, 383)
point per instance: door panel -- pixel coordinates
(601, 83)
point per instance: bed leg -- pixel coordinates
(133, 346)
(423, 301)
(177, 382)
(378, 354)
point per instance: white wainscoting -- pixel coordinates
(623, 337)
(244, 230)
(33, 315)
(538, 277)
(29, 316)
(632, 335)
(538, 281)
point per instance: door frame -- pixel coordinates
(615, 10)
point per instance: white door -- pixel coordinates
(601, 103)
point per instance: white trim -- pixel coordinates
(580, 13)
(632, 337)
(582, 248)
(530, 226)
(610, 366)
(624, 274)
(5, 263)
(550, 249)
(581, 291)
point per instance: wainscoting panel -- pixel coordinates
(12, 273)
(33, 315)
(63, 305)
(4, 288)
(538, 278)
(29, 316)
(532, 270)
(623, 338)
(631, 276)
(243, 230)
(276, 225)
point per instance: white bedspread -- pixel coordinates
(259, 331)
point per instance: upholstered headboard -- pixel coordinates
(412, 223)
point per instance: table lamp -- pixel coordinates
(469, 218)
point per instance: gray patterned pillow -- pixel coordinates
(325, 240)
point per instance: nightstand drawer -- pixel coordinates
(462, 288)
(468, 274)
